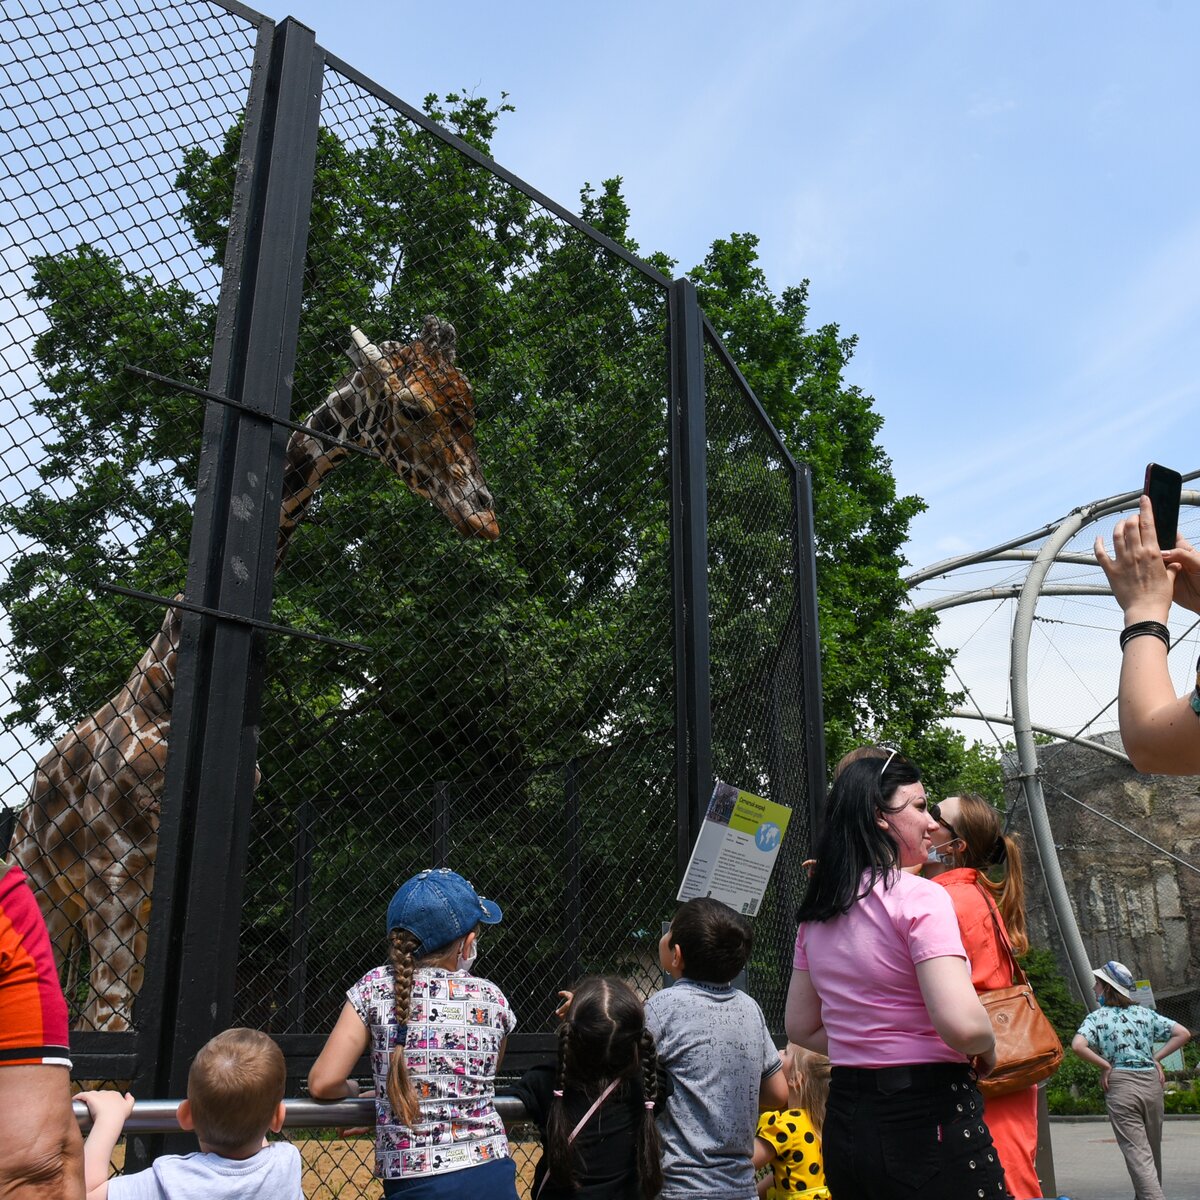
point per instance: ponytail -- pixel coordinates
(559, 1162)
(649, 1146)
(401, 1094)
(988, 847)
(1010, 892)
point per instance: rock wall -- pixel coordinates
(1132, 900)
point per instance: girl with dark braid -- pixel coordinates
(436, 1034)
(596, 1107)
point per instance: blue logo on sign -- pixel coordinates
(767, 836)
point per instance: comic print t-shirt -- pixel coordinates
(457, 1023)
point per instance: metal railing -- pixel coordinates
(303, 1112)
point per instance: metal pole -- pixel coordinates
(1043, 837)
(689, 530)
(574, 906)
(810, 648)
(231, 565)
(301, 920)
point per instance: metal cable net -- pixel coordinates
(512, 715)
(1126, 842)
(101, 105)
(758, 715)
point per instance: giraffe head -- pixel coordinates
(417, 411)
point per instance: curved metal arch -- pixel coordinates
(1057, 535)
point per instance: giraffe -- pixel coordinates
(88, 835)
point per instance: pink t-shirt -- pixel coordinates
(863, 967)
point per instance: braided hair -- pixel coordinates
(401, 1094)
(604, 1037)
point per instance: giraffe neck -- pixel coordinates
(309, 459)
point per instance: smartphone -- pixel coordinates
(1163, 486)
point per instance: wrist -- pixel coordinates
(1147, 611)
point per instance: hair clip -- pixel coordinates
(558, 1092)
(649, 1104)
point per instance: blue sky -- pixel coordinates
(998, 199)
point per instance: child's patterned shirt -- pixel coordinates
(457, 1024)
(1126, 1036)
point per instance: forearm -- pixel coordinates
(1081, 1048)
(98, 1152)
(1176, 1041)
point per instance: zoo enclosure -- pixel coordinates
(204, 202)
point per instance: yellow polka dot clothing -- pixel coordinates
(797, 1162)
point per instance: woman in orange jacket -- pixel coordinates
(970, 848)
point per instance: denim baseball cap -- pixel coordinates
(1119, 976)
(437, 906)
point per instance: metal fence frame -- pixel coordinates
(188, 994)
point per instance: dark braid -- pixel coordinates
(401, 1094)
(649, 1147)
(559, 1162)
(603, 1038)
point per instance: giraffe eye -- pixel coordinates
(409, 406)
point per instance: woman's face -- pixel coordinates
(945, 837)
(909, 823)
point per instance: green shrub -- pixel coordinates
(1183, 1098)
(1075, 1089)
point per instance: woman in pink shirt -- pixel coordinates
(881, 985)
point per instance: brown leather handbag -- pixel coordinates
(1027, 1048)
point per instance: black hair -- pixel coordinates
(852, 843)
(715, 941)
(604, 1037)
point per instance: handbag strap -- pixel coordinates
(587, 1116)
(1002, 936)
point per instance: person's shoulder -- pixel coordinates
(380, 976)
(913, 895)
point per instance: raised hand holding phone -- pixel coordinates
(1164, 487)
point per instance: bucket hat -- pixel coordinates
(1117, 975)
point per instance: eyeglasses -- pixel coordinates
(935, 811)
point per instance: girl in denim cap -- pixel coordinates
(436, 1115)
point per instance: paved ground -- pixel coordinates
(1088, 1165)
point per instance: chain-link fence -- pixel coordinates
(483, 628)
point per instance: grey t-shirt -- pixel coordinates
(713, 1042)
(274, 1171)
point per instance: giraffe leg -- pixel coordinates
(116, 928)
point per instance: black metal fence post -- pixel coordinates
(689, 551)
(810, 646)
(301, 920)
(214, 736)
(573, 906)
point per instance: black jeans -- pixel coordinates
(900, 1132)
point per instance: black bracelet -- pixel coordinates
(1146, 629)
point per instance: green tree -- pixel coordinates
(882, 673)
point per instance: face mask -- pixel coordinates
(466, 963)
(936, 856)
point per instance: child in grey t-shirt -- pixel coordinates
(713, 1042)
(235, 1095)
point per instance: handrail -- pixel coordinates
(303, 1112)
